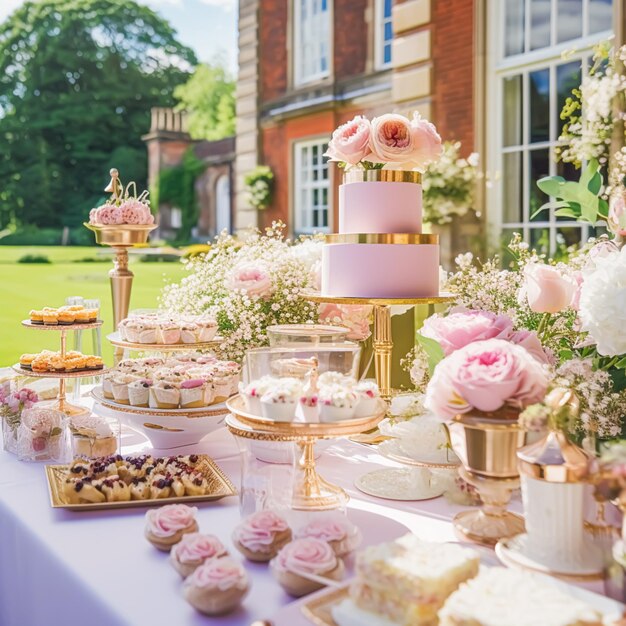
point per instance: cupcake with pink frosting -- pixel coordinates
(368, 395)
(304, 557)
(193, 550)
(192, 393)
(216, 587)
(340, 534)
(261, 535)
(167, 525)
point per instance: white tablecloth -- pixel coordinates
(62, 568)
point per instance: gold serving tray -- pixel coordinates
(114, 339)
(220, 486)
(75, 374)
(61, 327)
(318, 611)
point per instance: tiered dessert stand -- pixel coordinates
(61, 402)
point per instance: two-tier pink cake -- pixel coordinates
(380, 251)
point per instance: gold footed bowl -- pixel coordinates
(487, 444)
(122, 234)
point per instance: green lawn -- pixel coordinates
(27, 286)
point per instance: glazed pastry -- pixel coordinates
(340, 534)
(301, 557)
(160, 486)
(66, 317)
(26, 361)
(139, 392)
(192, 393)
(195, 484)
(82, 317)
(93, 362)
(92, 315)
(166, 526)
(216, 587)
(50, 316)
(139, 489)
(164, 396)
(261, 535)
(193, 550)
(82, 491)
(115, 490)
(36, 317)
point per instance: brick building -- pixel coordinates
(489, 73)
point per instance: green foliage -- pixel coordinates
(209, 99)
(177, 188)
(579, 201)
(433, 350)
(77, 81)
(34, 258)
(260, 186)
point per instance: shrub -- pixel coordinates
(159, 258)
(34, 258)
(33, 236)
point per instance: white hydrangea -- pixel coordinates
(603, 304)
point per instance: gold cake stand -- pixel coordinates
(114, 339)
(311, 491)
(383, 340)
(61, 403)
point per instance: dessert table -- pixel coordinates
(95, 567)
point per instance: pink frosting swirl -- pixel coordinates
(326, 530)
(169, 519)
(257, 531)
(194, 547)
(222, 574)
(306, 555)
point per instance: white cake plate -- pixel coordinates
(404, 483)
(513, 552)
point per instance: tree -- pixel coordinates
(77, 81)
(209, 99)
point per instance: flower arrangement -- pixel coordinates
(449, 185)
(259, 186)
(42, 435)
(389, 141)
(249, 285)
(11, 407)
(354, 317)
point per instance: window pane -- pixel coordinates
(568, 77)
(512, 177)
(570, 22)
(600, 15)
(540, 240)
(539, 86)
(505, 239)
(512, 110)
(514, 27)
(539, 167)
(569, 172)
(539, 24)
(567, 236)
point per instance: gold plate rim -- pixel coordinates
(409, 462)
(305, 429)
(382, 238)
(114, 339)
(77, 374)
(61, 327)
(318, 297)
(200, 412)
(311, 609)
(56, 502)
(354, 175)
(108, 228)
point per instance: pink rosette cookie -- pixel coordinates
(166, 526)
(260, 536)
(305, 556)
(193, 550)
(340, 534)
(216, 587)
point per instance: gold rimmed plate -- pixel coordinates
(73, 374)
(315, 296)
(116, 340)
(220, 487)
(60, 327)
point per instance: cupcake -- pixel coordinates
(119, 388)
(340, 534)
(168, 333)
(368, 394)
(107, 387)
(147, 333)
(254, 391)
(280, 402)
(132, 329)
(164, 395)
(334, 379)
(261, 535)
(139, 392)
(92, 437)
(207, 329)
(193, 550)
(192, 393)
(189, 332)
(216, 587)
(167, 525)
(337, 404)
(221, 385)
(302, 557)
(309, 405)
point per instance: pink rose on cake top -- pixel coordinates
(486, 376)
(350, 142)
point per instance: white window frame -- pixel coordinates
(499, 67)
(303, 222)
(379, 35)
(300, 75)
(176, 217)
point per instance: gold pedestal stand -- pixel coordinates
(61, 403)
(311, 491)
(382, 335)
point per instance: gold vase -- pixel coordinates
(487, 445)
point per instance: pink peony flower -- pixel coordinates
(617, 214)
(578, 278)
(428, 145)
(485, 376)
(252, 280)
(529, 340)
(350, 142)
(458, 329)
(547, 290)
(391, 139)
(355, 317)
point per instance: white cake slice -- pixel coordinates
(504, 597)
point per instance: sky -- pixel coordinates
(207, 26)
